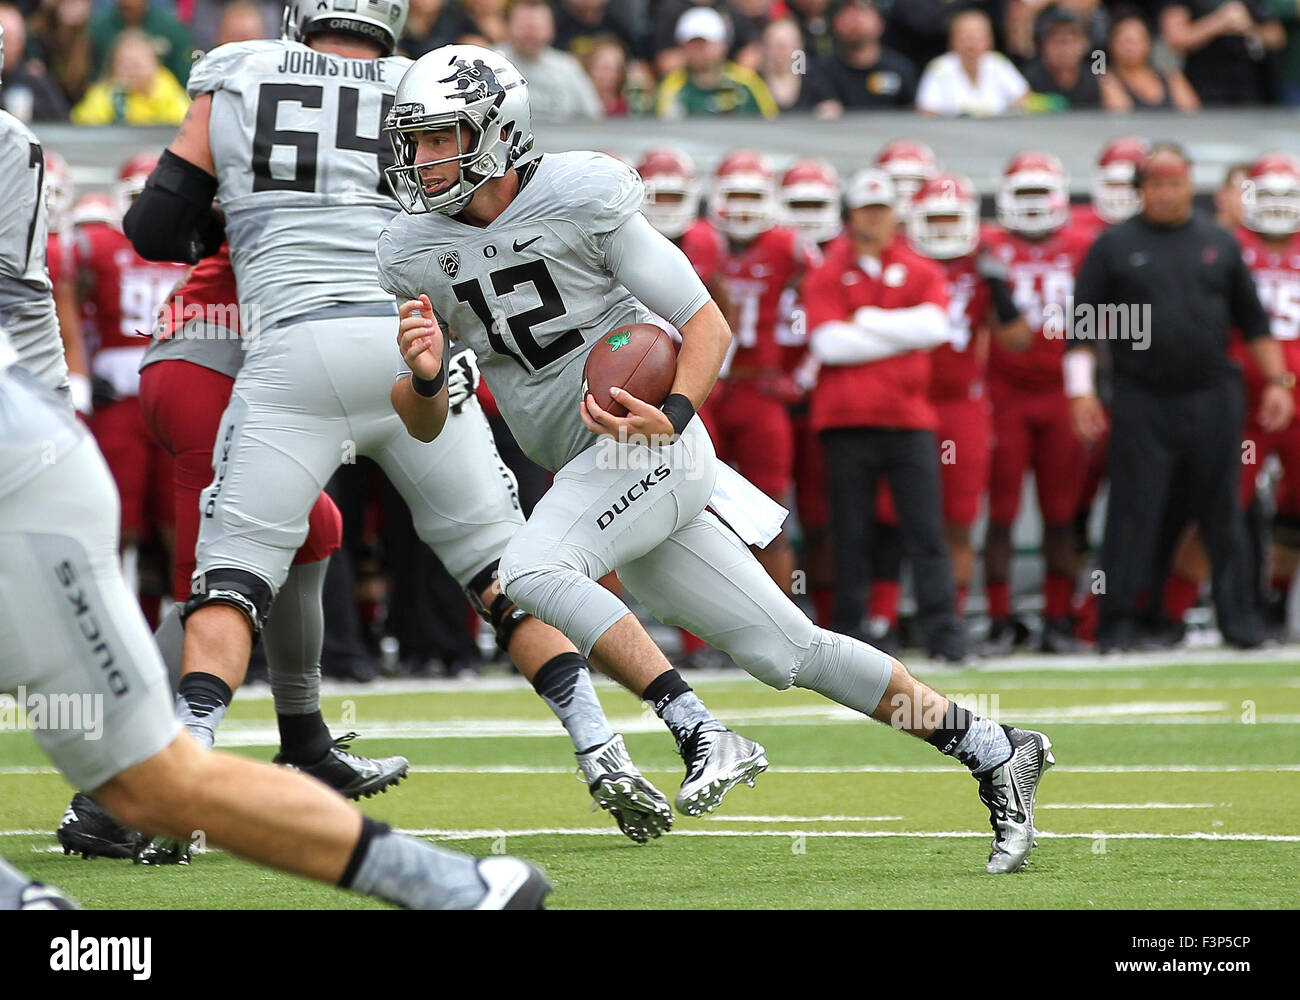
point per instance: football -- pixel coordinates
(640, 358)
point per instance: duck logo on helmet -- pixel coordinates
(474, 82)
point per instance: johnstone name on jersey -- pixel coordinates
(320, 64)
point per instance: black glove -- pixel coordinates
(102, 392)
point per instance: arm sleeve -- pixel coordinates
(1246, 310)
(655, 271)
(841, 343)
(911, 329)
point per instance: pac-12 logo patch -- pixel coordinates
(449, 261)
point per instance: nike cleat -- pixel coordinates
(87, 829)
(1008, 791)
(640, 809)
(716, 762)
(350, 775)
(512, 884)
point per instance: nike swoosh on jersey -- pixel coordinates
(525, 245)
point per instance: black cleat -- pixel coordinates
(1058, 637)
(87, 829)
(350, 775)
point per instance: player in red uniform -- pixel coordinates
(944, 226)
(1041, 253)
(122, 292)
(761, 261)
(810, 204)
(909, 165)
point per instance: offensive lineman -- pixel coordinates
(72, 629)
(566, 227)
(278, 130)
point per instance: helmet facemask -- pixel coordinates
(475, 161)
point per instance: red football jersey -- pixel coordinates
(957, 367)
(1085, 217)
(756, 280)
(704, 247)
(208, 286)
(59, 261)
(123, 290)
(889, 393)
(1277, 278)
(1041, 276)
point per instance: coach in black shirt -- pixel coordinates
(1163, 291)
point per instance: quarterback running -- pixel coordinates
(532, 262)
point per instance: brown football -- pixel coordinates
(640, 358)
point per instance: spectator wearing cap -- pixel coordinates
(710, 84)
(1224, 44)
(1129, 65)
(170, 41)
(971, 79)
(137, 90)
(26, 90)
(558, 87)
(742, 38)
(861, 73)
(874, 310)
(60, 34)
(1063, 73)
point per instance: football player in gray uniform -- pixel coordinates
(286, 135)
(531, 263)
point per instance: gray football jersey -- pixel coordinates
(298, 143)
(531, 292)
(26, 295)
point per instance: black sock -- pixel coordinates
(204, 693)
(304, 739)
(951, 730)
(662, 691)
(370, 829)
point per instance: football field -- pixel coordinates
(1177, 785)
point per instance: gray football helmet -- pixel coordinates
(458, 85)
(379, 20)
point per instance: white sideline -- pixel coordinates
(830, 769)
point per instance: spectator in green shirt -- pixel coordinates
(170, 40)
(709, 84)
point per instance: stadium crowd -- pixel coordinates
(126, 61)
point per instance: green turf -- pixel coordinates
(809, 834)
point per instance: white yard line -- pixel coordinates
(1132, 805)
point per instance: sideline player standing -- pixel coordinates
(567, 227)
(287, 133)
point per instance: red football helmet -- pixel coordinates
(1271, 195)
(97, 206)
(1033, 196)
(810, 200)
(672, 191)
(59, 191)
(944, 222)
(909, 165)
(1114, 195)
(743, 199)
(131, 178)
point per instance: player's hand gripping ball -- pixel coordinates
(639, 358)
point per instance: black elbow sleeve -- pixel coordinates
(172, 218)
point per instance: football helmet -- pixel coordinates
(672, 191)
(1033, 197)
(380, 21)
(810, 200)
(944, 221)
(131, 178)
(96, 206)
(59, 190)
(1271, 195)
(909, 165)
(457, 85)
(742, 201)
(1114, 195)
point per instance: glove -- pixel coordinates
(102, 392)
(79, 389)
(990, 266)
(462, 377)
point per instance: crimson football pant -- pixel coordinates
(855, 458)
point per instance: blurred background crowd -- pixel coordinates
(126, 61)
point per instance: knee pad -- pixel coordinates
(236, 587)
(1286, 531)
(502, 614)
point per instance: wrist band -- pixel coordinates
(1079, 368)
(429, 387)
(1003, 304)
(679, 410)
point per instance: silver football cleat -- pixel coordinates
(640, 809)
(716, 762)
(1008, 791)
(512, 884)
